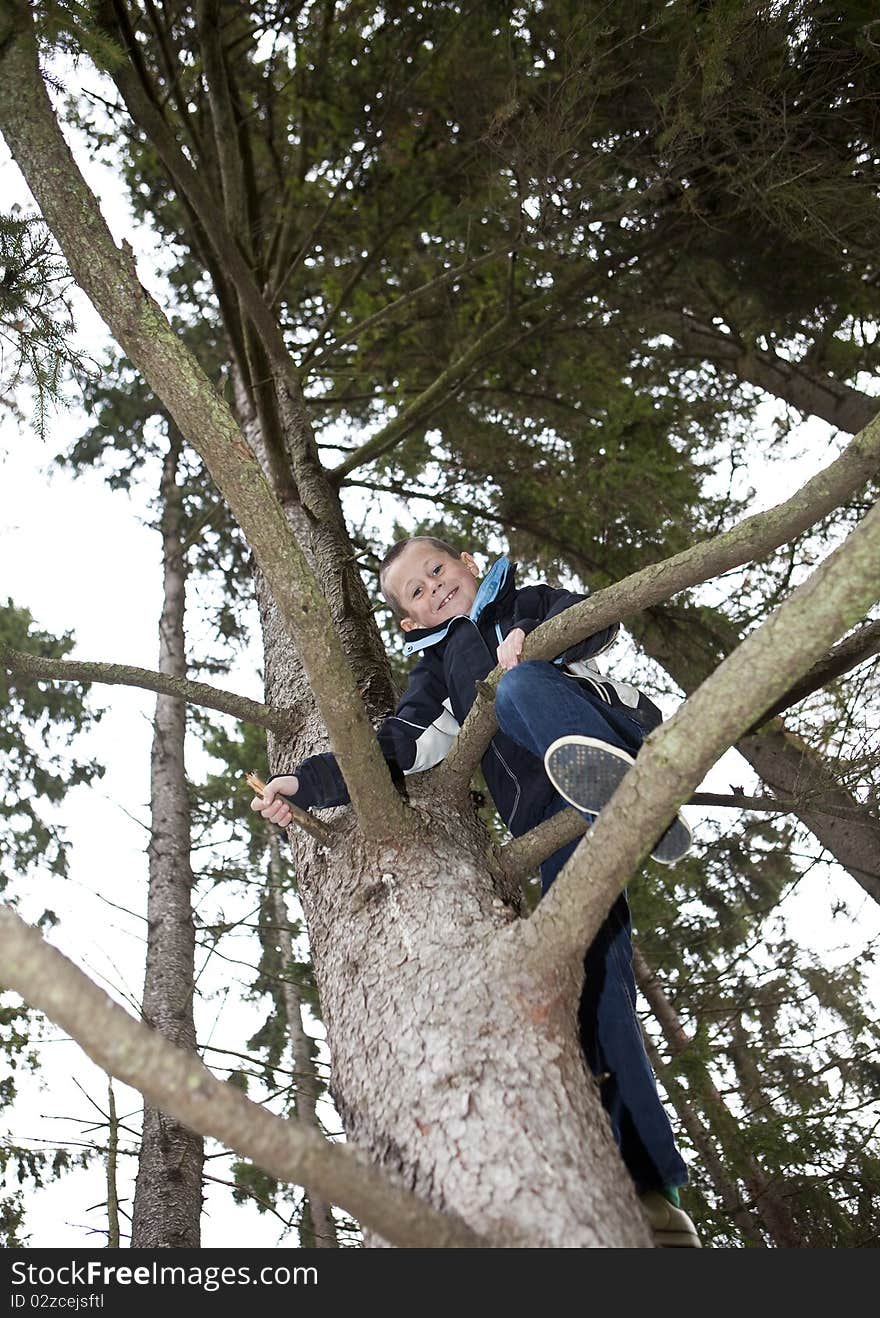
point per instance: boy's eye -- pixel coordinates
(434, 571)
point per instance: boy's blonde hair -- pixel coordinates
(394, 553)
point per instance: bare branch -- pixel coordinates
(194, 693)
(524, 854)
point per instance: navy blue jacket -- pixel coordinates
(442, 687)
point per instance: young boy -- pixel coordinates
(567, 736)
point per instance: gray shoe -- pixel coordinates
(671, 1226)
(587, 772)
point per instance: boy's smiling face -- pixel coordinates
(430, 586)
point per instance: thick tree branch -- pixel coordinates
(810, 391)
(791, 767)
(228, 244)
(170, 58)
(182, 1086)
(194, 693)
(750, 539)
(226, 138)
(677, 755)
(109, 278)
(862, 645)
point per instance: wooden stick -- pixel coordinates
(316, 827)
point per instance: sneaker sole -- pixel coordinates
(675, 843)
(587, 773)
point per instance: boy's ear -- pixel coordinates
(407, 624)
(470, 564)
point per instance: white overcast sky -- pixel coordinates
(81, 558)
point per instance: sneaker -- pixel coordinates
(670, 1226)
(587, 772)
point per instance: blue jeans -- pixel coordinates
(535, 704)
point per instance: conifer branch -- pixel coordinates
(449, 380)
(405, 299)
(194, 693)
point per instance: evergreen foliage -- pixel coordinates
(36, 318)
(40, 720)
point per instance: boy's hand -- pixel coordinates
(277, 811)
(510, 649)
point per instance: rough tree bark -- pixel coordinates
(168, 1191)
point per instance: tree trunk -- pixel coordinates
(317, 1228)
(464, 1080)
(168, 1193)
(769, 1198)
(112, 1151)
(791, 768)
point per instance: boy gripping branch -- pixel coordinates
(567, 735)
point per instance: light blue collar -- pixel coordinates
(489, 588)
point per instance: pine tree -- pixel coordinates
(445, 205)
